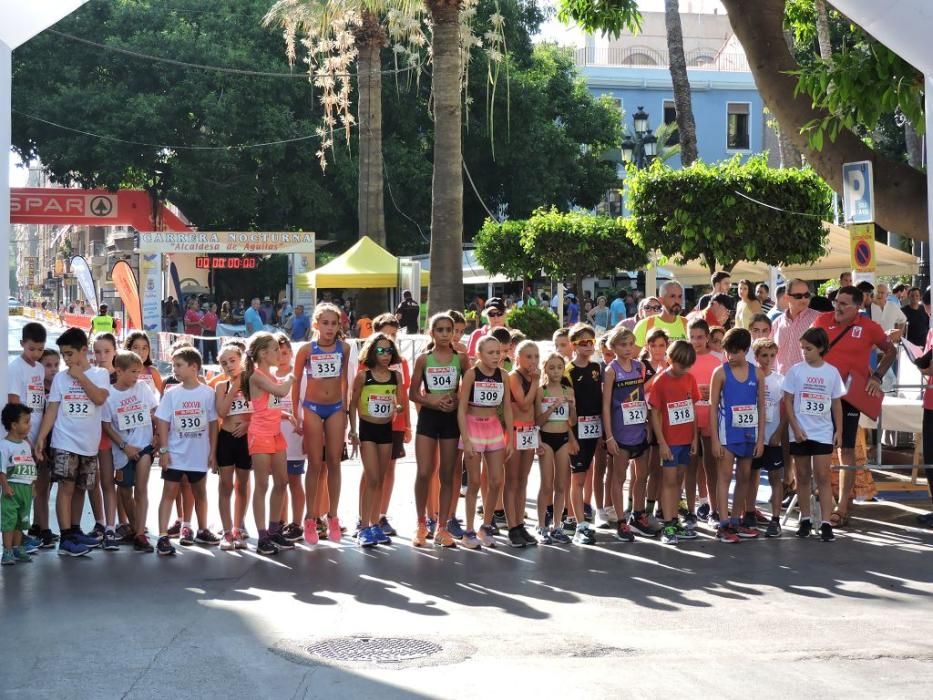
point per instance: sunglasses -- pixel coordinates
(584, 343)
(653, 307)
(383, 351)
(494, 314)
(799, 295)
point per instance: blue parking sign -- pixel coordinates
(858, 192)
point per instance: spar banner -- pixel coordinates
(150, 278)
(125, 282)
(82, 272)
(262, 242)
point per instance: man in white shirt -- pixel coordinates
(885, 312)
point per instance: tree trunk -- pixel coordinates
(446, 287)
(914, 143)
(900, 191)
(822, 30)
(686, 126)
(790, 154)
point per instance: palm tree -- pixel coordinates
(678, 67)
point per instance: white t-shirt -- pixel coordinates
(889, 316)
(295, 449)
(129, 412)
(77, 425)
(774, 394)
(28, 382)
(189, 413)
(17, 462)
(814, 388)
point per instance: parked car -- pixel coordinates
(15, 308)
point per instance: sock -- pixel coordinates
(735, 522)
(186, 524)
(273, 527)
(109, 528)
(804, 520)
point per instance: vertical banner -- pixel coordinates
(176, 283)
(124, 280)
(82, 273)
(301, 293)
(150, 279)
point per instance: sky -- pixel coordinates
(17, 175)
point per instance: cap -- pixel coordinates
(495, 303)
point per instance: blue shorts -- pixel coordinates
(325, 411)
(681, 454)
(741, 450)
(296, 467)
(126, 477)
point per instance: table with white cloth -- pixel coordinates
(904, 415)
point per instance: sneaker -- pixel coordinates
(498, 517)
(334, 533)
(421, 536)
(703, 512)
(21, 556)
(123, 530)
(470, 541)
(109, 543)
(761, 518)
(624, 533)
(387, 527)
(68, 547)
(175, 530)
(310, 531)
(584, 535)
(205, 536)
(279, 541)
(164, 547)
(48, 539)
(826, 532)
(442, 538)
(127, 539)
(805, 528)
(86, 540)
(485, 535)
(558, 536)
(455, 529)
(727, 535)
(358, 528)
(542, 536)
(669, 535)
(611, 514)
(655, 524)
(641, 525)
(479, 509)
(495, 528)
(689, 531)
(713, 520)
(588, 512)
(98, 531)
(380, 535)
(242, 533)
(292, 532)
(749, 520)
(141, 544)
(602, 519)
(527, 536)
(186, 539)
(228, 542)
(788, 497)
(8, 559)
(747, 533)
(30, 544)
(266, 547)
(366, 538)
(239, 540)
(515, 538)
(432, 528)
(33, 530)
(774, 528)
(570, 524)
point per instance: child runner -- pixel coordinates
(497, 500)
(737, 408)
(186, 421)
(703, 467)
(812, 392)
(266, 443)
(17, 474)
(483, 392)
(233, 461)
(105, 349)
(672, 398)
(323, 420)
(562, 346)
(760, 327)
(127, 421)
(294, 448)
(625, 414)
(772, 458)
(434, 385)
(459, 328)
(554, 412)
(599, 487)
(377, 396)
(138, 342)
(524, 384)
(51, 364)
(654, 357)
(716, 334)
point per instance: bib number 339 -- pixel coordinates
(814, 404)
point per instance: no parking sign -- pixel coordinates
(862, 242)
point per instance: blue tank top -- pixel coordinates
(629, 423)
(738, 407)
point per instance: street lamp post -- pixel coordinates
(641, 151)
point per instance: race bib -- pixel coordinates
(22, 466)
(190, 421)
(132, 416)
(77, 406)
(589, 427)
(240, 406)
(276, 401)
(560, 413)
(634, 413)
(814, 404)
(441, 378)
(487, 393)
(745, 416)
(526, 438)
(325, 366)
(380, 405)
(680, 412)
(35, 396)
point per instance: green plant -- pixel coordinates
(534, 321)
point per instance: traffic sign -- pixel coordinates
(858, 192)
(862, 242)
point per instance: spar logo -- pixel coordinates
(40, 204)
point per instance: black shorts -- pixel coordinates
(175, 475)
(379, 433)
(582, 460)
(772, 459)
(398, 444)
(554, 440)
(635, 451)
(810, 448)
(850, 416)
(233, 451)
(438, 425)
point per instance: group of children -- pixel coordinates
(596, 414)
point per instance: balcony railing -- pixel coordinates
(638, 57)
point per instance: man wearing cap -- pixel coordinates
(407, 313)
(495, 315)
(102, 323)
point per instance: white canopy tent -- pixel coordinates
(19, 22)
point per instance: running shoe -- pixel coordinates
(805, 528)
(380, 535)
(68, 547)
(228, 542)
(141, 544)
(127, 539)
(689, 529)
(470, 540)
(655, 524)
(175, 530)
(31, 544)
(205, 536)
(239, 540)
(48, 539)
(641, 525)
(242, 533)
(611, 514)
(558, 536)
(366, 537)
(713, 520)
(334, 533)
(8, 559)
(584, 535)
(421, 536)
(109, 543)
(703, 511)
(747, 533)
(569, 524)
(498, 517)
(98, 531)
(164, 547)
(292, 532)
(542, 536)
(123, 529)
(186, 539)
(310, 531)
(266, 547)
(774, 528)
(624, 533)
(669, 535)
(455, 529)
(479, 509)
(588, 512)
(602, 519)
(442, 538)
(727, 535)
(432, 528)
(33, 530)
(279, 541)
(21, 556)
(485, 535)
(386, 526)
(826, 532)
(494, 528)
(761, 518)
(86, 540)
(527, 536)
(515, 538)
(358, 528)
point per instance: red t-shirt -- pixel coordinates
(853, 352)
(209, 321)
(702, 370)
(192, 322)
(666, 395)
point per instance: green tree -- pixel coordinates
(500, 251)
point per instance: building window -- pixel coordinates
(737, 125)
(670, 117)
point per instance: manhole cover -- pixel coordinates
(383, 650)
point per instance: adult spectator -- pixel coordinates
(166, 314)
(573, 310)
(649, 306)
(763, 295)
(719, 310)
(868, 291)
(193, 325)
(901, 291)
(852, 339)
(240, 311)
(845, 279)
(918, 320)
(495, 315)
(885, 313)
(209, 330)
(790, 325)
(226, 314)
(669, 320)
(267, 311)
(252, 318)
(747, 306)
(599, 315)
(721, 281)
(780, 302)
(407, 313)
(102, 322)
(285, 313)
(300, 325)
(617, 309)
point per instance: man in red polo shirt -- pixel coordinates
(852, 338)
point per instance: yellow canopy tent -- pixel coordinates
(366, 265)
